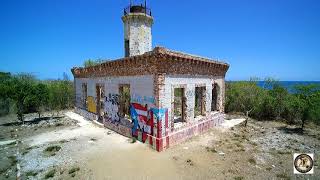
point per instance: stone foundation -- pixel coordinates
(86, 114)
(202, 126)
(159, 142)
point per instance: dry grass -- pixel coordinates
(283, 176)
(50, 174)
(134, 140)
(73, 170)
(31, 173)
(239, 178)
(212, 149)
(252, 161)
(13, 160)
(283, 152)
(51, 150)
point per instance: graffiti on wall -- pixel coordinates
(161, 117)
(91, 104)
(142, 120)
(112, 107)
(190, 93)
(142, 99)
(148, 122)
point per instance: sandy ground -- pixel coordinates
(262, 150)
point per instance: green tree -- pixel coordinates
(42, 95)
(309, 97)
(244, 96)
(54, 96)
(314, 109)
(294, 107)
(279, 96)
(61, 95)
(5, 102)
(21, 88)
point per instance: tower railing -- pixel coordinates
(137, 9)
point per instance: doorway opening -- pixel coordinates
(179, 106)
(215, 100)
(124, 101)
(100, 102)
(200, 101)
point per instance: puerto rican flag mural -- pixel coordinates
(142, 120)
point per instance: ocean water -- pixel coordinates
(289, 85)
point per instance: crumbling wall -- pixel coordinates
(150, 106)
(189, 83)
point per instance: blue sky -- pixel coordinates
(261, 38)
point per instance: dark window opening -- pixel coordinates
(200, 101)
(126, 48)
(124, 101)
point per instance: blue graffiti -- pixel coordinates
(134, 116)
(159, 113)
(143, 99)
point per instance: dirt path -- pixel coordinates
(263, 150)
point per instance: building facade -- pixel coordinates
(161, 97)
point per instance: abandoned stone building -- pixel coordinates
(161, 97)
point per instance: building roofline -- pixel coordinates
(152, 62)
(164, 50)
(160, 51)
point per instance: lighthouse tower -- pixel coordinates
(137, 20)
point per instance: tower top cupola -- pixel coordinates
(138, 21)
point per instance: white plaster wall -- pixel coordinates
(139, 86)
(78, 86)
(191, 82)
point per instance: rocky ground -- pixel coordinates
(59, 148)
(13, 133)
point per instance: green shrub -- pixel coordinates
(274, 102)
(26, 94)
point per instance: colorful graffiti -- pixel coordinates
(112, 107)
(149, 125)
(141, 113)
(91, 104)
(142, 99)
(159, 113)
(142, 120)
